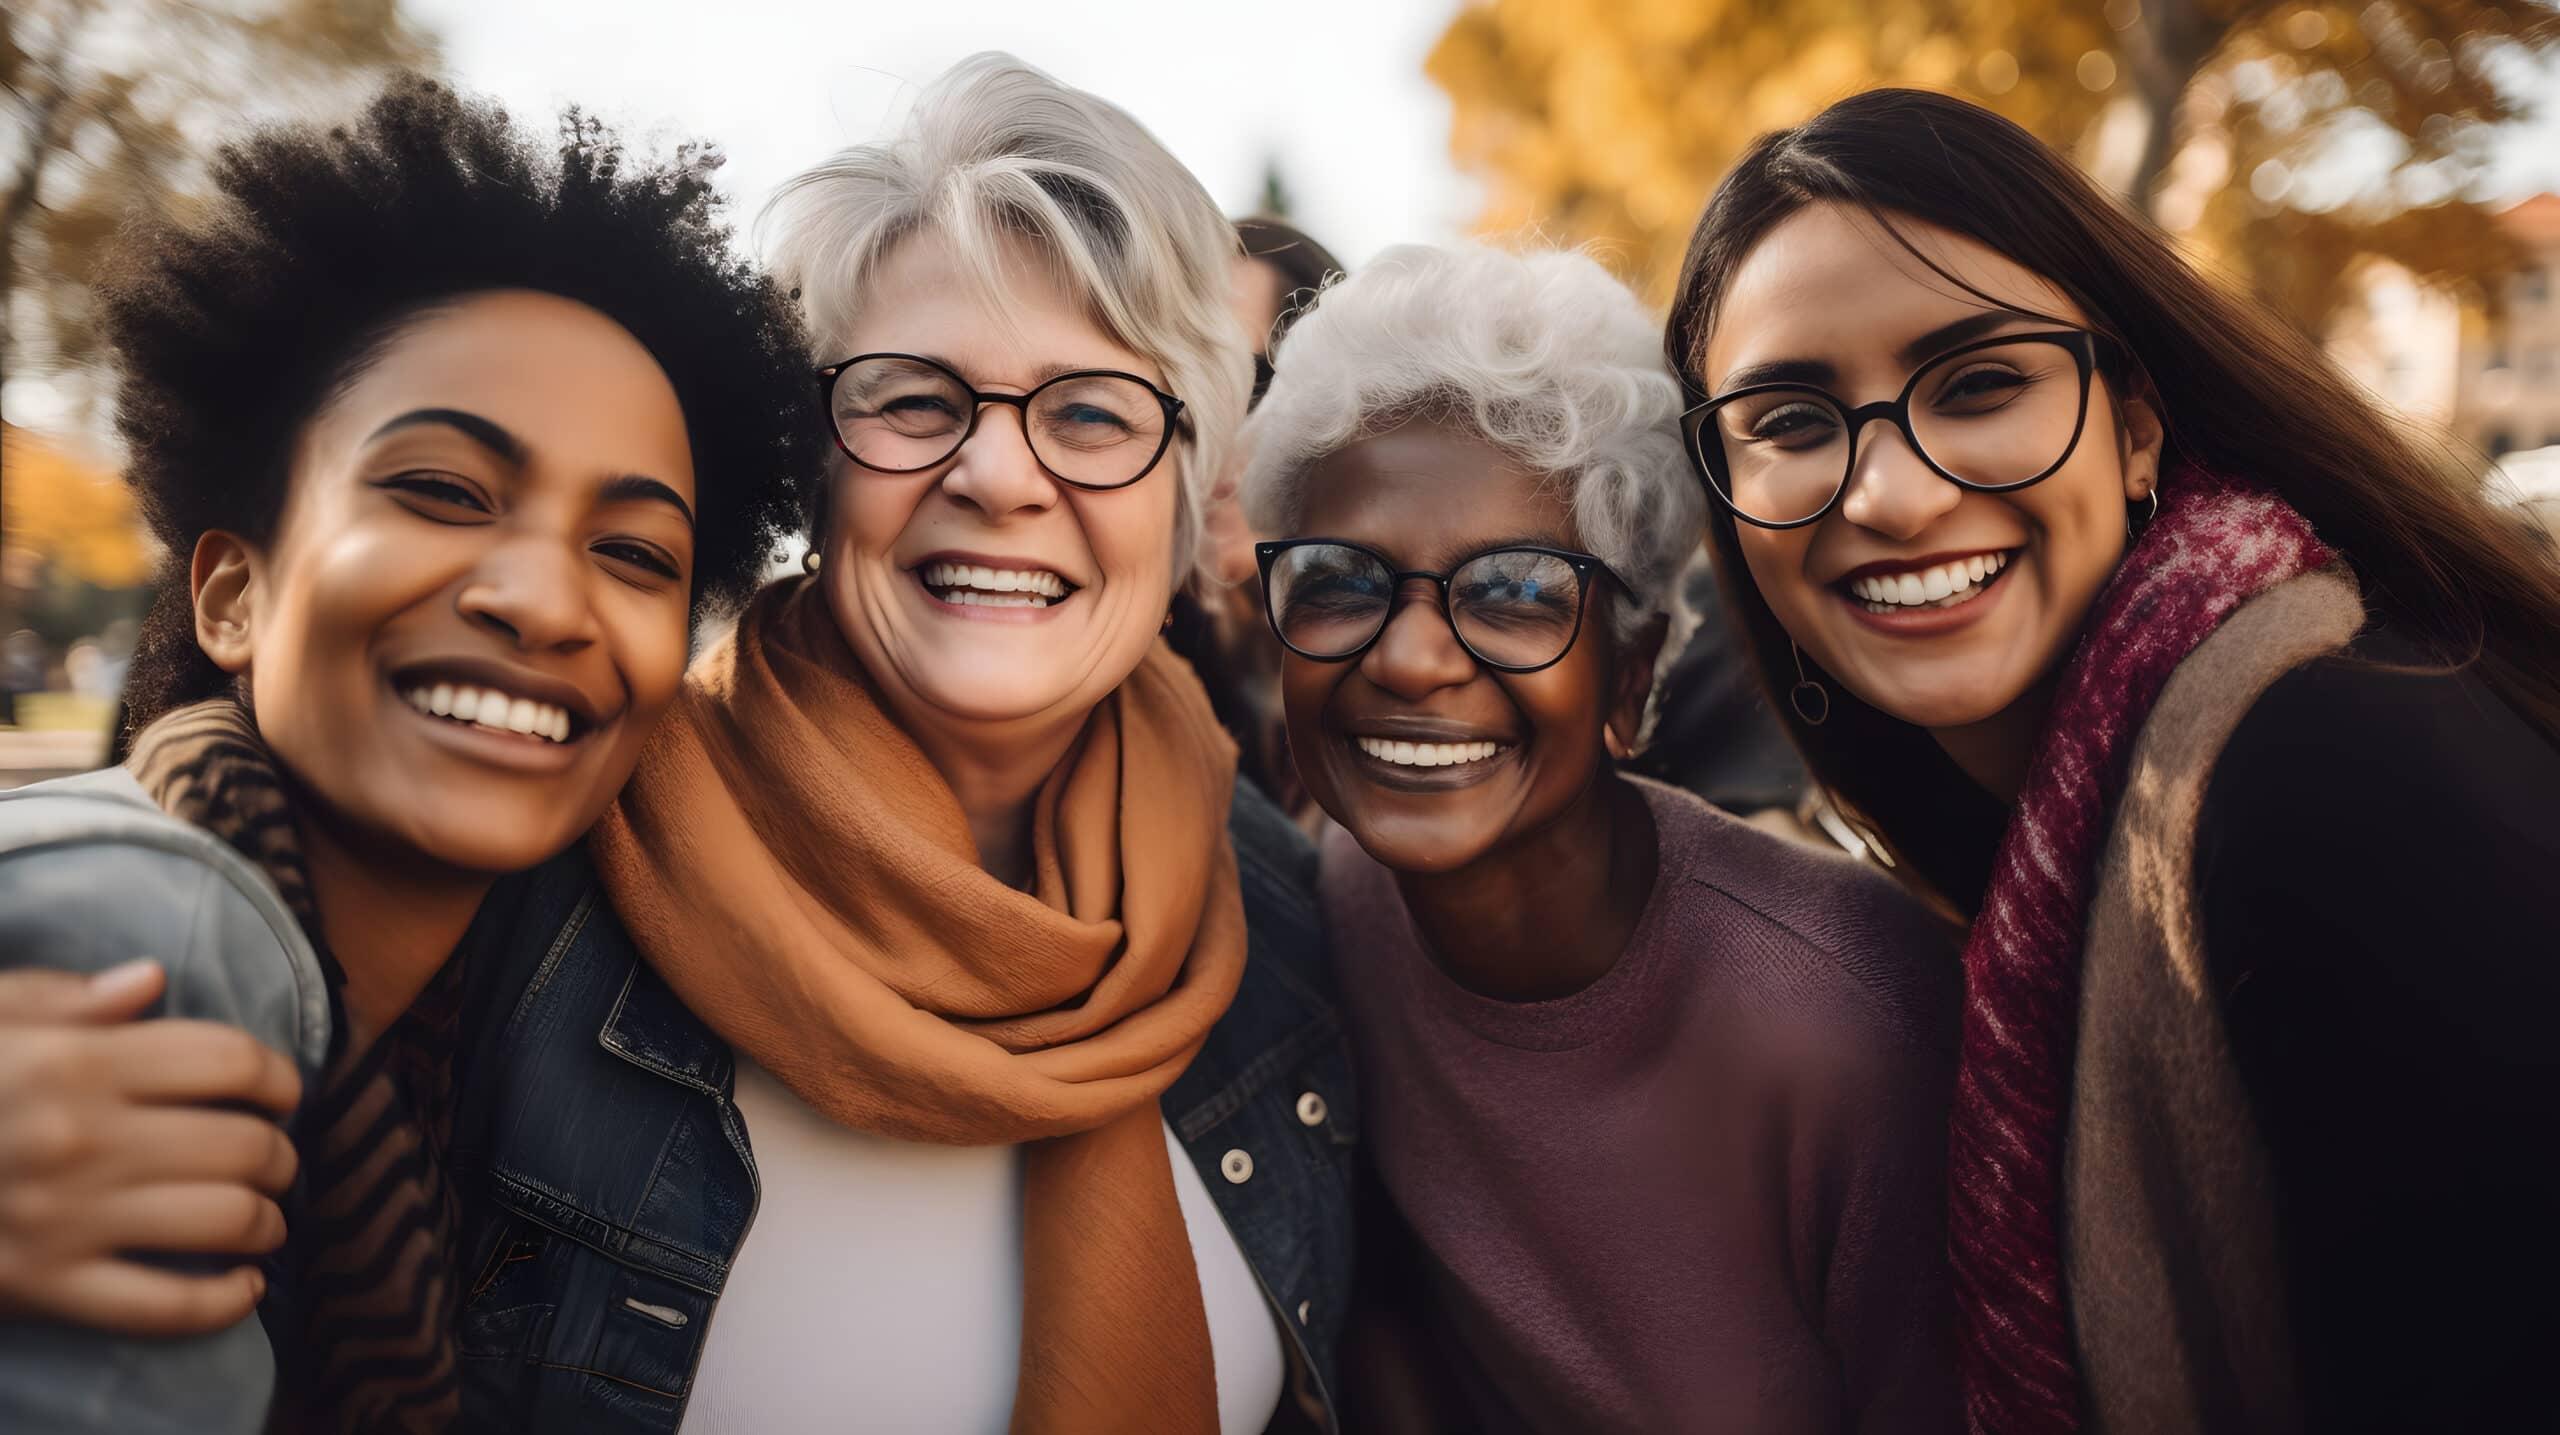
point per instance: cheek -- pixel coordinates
(1776, 564)
(870, 511)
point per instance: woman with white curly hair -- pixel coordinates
(1659, 1096)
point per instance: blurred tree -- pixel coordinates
(106, 105)
(73, 517)
(2283, 139)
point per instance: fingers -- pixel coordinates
(178, 1143)
(132, 1299)
(175, 1060)
(219, 1219)
(35, 995)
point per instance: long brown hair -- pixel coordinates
(2240, 392)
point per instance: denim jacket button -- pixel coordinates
(1236, 1166)
(1310, 1109)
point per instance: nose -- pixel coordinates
(995, 471)
(532, 592)
(1418, 653)
(1891, 491)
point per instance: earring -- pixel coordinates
(809, 561)
(1167, 625)
(2150, 516)
(1811, 700)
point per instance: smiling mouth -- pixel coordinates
(494, 710)
(971, 585)
(1428, 754)
(1942, 585)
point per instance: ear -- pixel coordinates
(2144, 437)
(1631, 684)
(223, 575)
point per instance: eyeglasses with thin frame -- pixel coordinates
(1515, 609)
(1992, 416)
(1094, 429)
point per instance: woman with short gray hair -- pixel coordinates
(932, 883)
(1659, 1096)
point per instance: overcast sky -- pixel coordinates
(1334, 92)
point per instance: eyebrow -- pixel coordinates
(481, 431)
(622, 488)
(1820, 373)
(1041, 375)
(631, 487)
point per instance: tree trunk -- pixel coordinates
(2169, 44)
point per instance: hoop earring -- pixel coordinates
(2149, 517)
(1811, 700)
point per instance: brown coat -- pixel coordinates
(2169, 1254)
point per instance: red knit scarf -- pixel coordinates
(2215, 544)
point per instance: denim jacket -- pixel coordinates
(608, 1179)
(93, 873)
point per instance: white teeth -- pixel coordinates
(963, 578)
(1943, 586)
(496, 711)
(1426, 754)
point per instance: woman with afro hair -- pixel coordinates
(450, 433)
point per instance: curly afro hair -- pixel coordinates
(232, 328)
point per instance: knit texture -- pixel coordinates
(2215, 543)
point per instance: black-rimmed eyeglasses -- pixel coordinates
(1090, 428)
(1515, 609)
(1990, 416)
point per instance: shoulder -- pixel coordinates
(93, 874)
(1827, 925)
(2372, 774)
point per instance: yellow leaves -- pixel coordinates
(1608, 120)
(80, 517)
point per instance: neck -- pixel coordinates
(1548, 914)
(392, 923)
(1995, 751)
(996, 774)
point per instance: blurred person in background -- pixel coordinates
(1217, 618)
(2132, 630)
(1659, 1096)
(449, 429)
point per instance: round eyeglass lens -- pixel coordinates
(2000, 416)
(898, 415)
(1516, 609)
(1095, 429)
(1327, 600)
(1783, 452)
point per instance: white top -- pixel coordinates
(880, 1287)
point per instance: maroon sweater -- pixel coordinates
(1704, 1193)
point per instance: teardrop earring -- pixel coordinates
(1811, 700)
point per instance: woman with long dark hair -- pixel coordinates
(2229, 718)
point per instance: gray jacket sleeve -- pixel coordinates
(91, 875)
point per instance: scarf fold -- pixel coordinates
(364, 1290)
(2215, 544)
(802, 876)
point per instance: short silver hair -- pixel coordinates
(995, 151)
(1545, 356)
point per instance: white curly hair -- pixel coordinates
(1545, 356)
(995, 151)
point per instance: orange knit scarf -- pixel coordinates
(799, 873)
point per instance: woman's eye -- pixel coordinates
(1983, 388)
(641, 556)
(437, 490)
(1794, 425)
